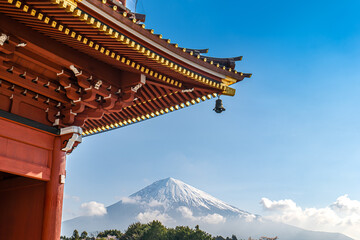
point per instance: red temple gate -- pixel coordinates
(70, 69)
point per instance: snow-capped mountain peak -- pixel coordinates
(173, 191)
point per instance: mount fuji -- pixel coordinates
(175, 203)
(174, 196)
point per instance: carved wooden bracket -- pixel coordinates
(88, 114)
(9, 43)
(3, 39)
(92, 98)
(70, 138)
(131, 83)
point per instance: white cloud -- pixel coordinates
(282, 205)
(186, 212)
(155, 203)
(131, 200)
(345, 205)
(341, 216)
(213, 218)
(149, 216)
(93, 209)
(152, 203)
(75, 198)
(249, 217)
(210, 218)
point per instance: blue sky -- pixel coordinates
(291, 132)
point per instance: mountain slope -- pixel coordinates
(175, 192)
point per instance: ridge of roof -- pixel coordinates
(109, 13)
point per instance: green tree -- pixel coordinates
(186, 233)
(155, 231)
(135, 231)
(170, 234)
(219, 238)
(83, 235)
(200, 235)
(75, 235)
(113, 232)
(179, 233)
(183, 233)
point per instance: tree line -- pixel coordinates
(151, 231)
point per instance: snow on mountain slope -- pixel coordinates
(171, 191)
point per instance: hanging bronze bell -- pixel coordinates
(219, 106)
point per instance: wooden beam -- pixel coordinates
(17, 182)
(37, 59)
(28, 84)
(58, 52)
(164, 85)
(25, 169)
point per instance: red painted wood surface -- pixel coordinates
(25, 151)
(21, 208)
(31, 195)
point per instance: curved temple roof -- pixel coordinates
(102, 69)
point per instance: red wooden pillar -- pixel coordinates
(54, 194)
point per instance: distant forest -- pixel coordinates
(151, 231)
